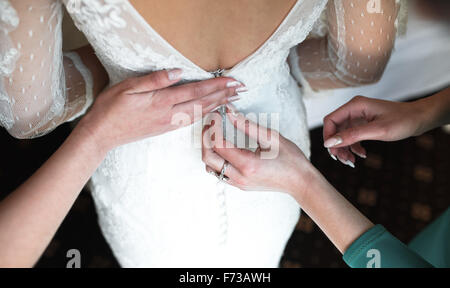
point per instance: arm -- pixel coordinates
(132, 110)
(335, 216)
(30, 216)
(40, 87)
(356, 49)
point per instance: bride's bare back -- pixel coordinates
(214, 34)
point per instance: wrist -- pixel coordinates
(304, 178)
(92, 136)
(436, 110)
(424, 115)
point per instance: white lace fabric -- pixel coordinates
(357, 40)
(156, 205)
(40, 87)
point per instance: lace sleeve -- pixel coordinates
(359, 38)
(40, 87)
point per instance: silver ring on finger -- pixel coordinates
(222, 176)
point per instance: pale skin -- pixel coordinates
(132, 110)
(292, 173)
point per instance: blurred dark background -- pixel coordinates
(403, 185)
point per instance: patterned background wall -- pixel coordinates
(402, 185)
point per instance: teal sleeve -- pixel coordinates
(433, 243)
(377, 248)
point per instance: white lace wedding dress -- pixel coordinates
(156, 205)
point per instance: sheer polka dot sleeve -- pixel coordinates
(40, 87)
(356, 49)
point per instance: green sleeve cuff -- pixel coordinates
(377, 248)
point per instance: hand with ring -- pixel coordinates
(248, 170)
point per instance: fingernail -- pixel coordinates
(348, 163)
(234, 98)
(174, 74)
(333, 141)
(241, 89)
(331, 155)
(233, 84)
(360, 155)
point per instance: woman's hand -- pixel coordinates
(364, 118)
(287, 167)
(146, 106)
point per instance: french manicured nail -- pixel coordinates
(234, 98)
(174, 74)
(333, 141)
(233, 84)
(349, 163)
(331, 155)
(360, 155)
(241, 89)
